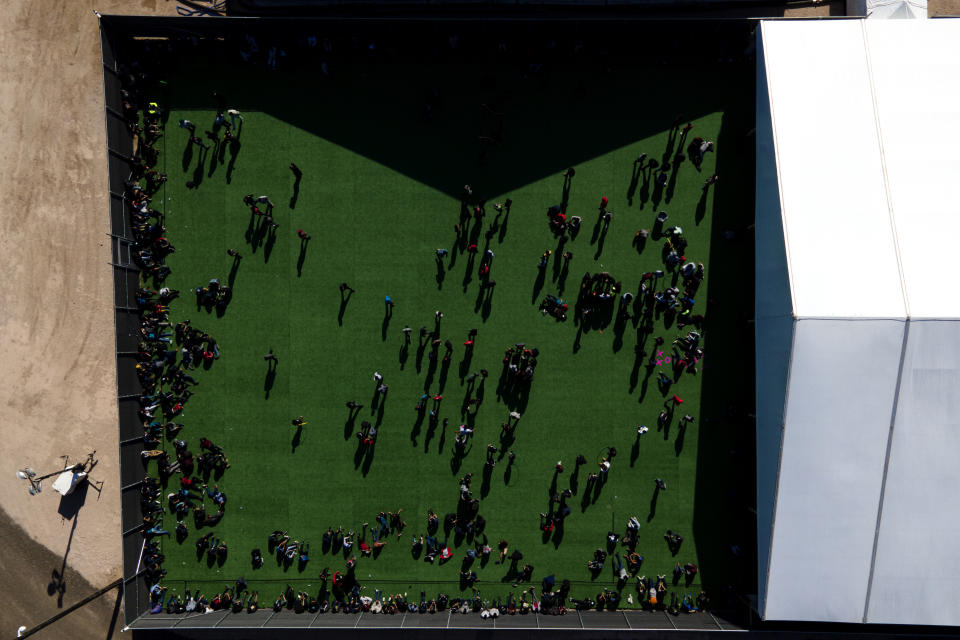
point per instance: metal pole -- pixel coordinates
(29, 632)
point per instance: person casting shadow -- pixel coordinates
(346, 292)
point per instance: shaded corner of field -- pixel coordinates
(724, 516)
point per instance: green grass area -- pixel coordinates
(378, 197)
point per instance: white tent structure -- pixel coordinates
(858, 321)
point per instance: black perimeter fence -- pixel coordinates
(115, 30)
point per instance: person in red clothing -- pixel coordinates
(677, 399)
(603, 204)
(303, 234)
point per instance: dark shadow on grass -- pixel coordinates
(385, 325)
(485, 484)
(303, 255)
(234, 268)
(234, 152)
(268, 382)
(269, 244)
(297, 439)
(187, 159)
(296, 192)
(344, 299)
(538, 284)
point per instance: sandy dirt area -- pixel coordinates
(57, 377)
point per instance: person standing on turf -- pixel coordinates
(304, 236)
(186, 124)
(234, 116)
(265, 199)
(344, 287)
(298, 422)
(389, 303)
(297, 173)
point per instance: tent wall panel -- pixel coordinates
(774, 340)
(774, 327)
(918, 561)
(831, 467)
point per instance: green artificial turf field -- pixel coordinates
(379, 194)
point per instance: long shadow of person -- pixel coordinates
(565, 194)
(222, 151)
(251, 234)
(646, 174)
(344, 299)
(657, 192)
(634, 181)
(468, 272)
(234, 268)
(349, 425)
(368, 459)
(234, 152)
(268, 382)
(443, 438)
(485, 484)
(538, 284)
(271, 241)
(653, 503)
(385, 325)
(681, 433)
(503, 225)
(444, 372)
(600, 241)
(487, 304)
(508, 474)
(639, 353)
(596, 228)
(296, 191)
(672, 184)
(297, 436)
(431, 432)
(701, 208)
(421, 349)
(187, 156)
(441, 272)
(198, 172)
(303, 255)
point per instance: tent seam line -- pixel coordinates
(883, 168)
(886, 468)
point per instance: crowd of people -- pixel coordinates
(168, 353)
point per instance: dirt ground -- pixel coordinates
(57, 380)
(32, 566)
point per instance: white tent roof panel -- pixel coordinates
(832, 192)
(915, 67)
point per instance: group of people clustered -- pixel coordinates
(168, 352)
